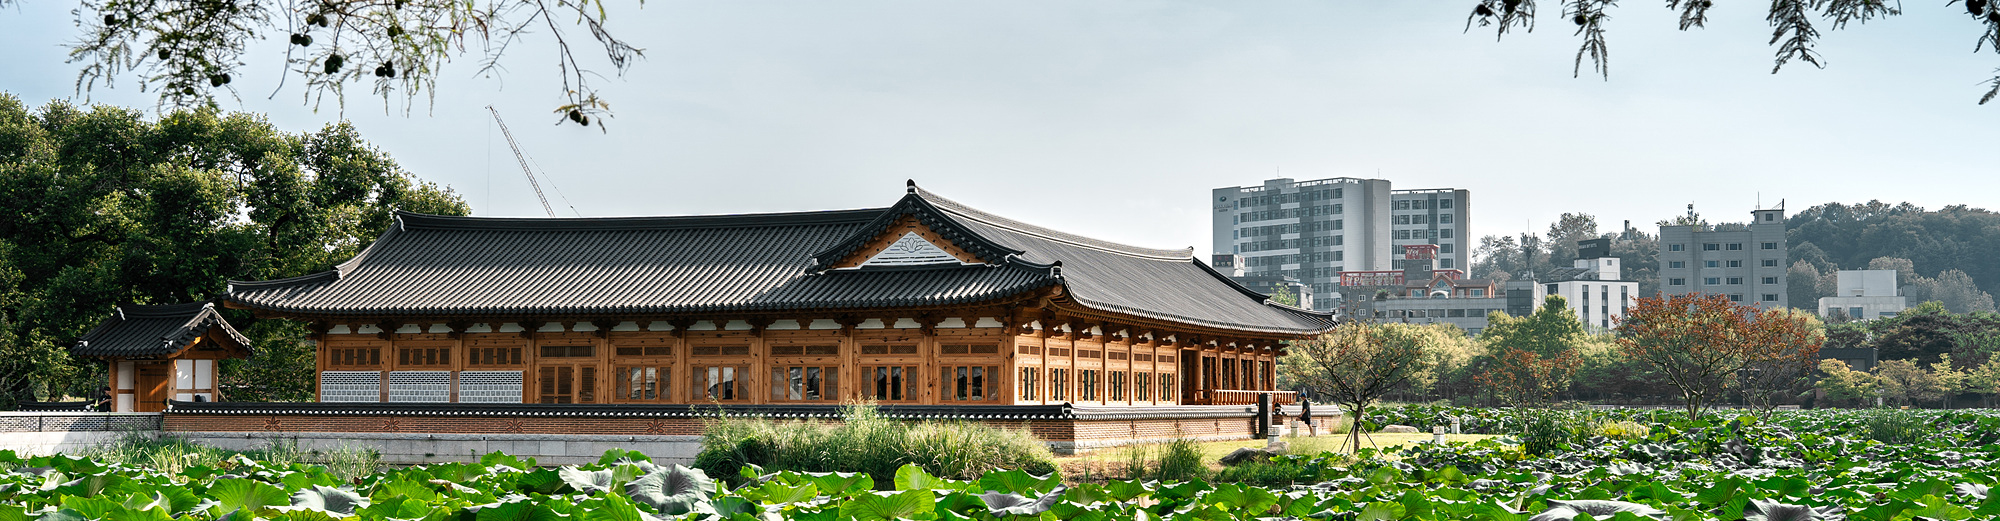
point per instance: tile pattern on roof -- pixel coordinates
(445, 266)
(134, 330)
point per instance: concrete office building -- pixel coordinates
(1313, 230)
(1746, 262)
(1864, 295)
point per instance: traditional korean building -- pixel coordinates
(925, 302)
(158, 353)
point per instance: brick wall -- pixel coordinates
(1064, 436)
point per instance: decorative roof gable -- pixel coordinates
(907, 243)
(913, 214)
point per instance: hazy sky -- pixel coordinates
(1115, 118)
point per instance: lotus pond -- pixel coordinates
(1547, 465)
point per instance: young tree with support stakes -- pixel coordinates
(1356, 364)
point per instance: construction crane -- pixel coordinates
(523, 158)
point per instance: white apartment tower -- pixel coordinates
(1313, 230)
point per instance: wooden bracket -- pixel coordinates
(388, 328)
(928, 323)
(759, 324)
(681, 326)
(457, 328)
(529, 327)
(604, 326)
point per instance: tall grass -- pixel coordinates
(173, 455)
(1900, 427)
(1180, 460)
(867, 442)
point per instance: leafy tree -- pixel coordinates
(1356, 363)
(1922, 334)
(1282, 294)
(1908, 238)
(1533, 356)
(1904, 382)
(1697, 342)
(1840, 384)
(106, 207)
(1783, 350)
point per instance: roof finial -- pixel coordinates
(911, 185)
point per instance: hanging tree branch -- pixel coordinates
(1793, 29)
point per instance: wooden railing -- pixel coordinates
(1235, 397)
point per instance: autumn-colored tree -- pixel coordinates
(1534, 356)
(1783, 350)
(1699, 343)
(1356, 363)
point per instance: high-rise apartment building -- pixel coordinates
(1313, 230)
(1743, 261)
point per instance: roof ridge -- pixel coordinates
(969, 212)
(643, 222)
(160, 310)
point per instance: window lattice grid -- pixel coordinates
(420, 386)
(350, 386)
(489, 386)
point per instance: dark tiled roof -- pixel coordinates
(467, 266)
(153, 330)
(1062, 411)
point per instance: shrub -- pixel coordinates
(1622, 429)
(1893, 426)
(1547, 431)
(1181, 460)
(869, 443)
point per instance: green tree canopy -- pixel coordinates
(106, 207)
(1533, 357)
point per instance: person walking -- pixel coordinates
(1306, 415)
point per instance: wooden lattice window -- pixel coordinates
(569, 351)
(642, 383)
(720, 383)
(889, 349)
(719, 350)
(493, 356)
(648, 349)
(805, 383)
(568, 384)
(354, 357)
(1115, 386)
(1058, 384)
(967, 383)
(1086, 384)
(437, 356)
(969, 349)
(1142, 386)
(1167, 387)
(888, 383)
(1028, 384)
(805, 350)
